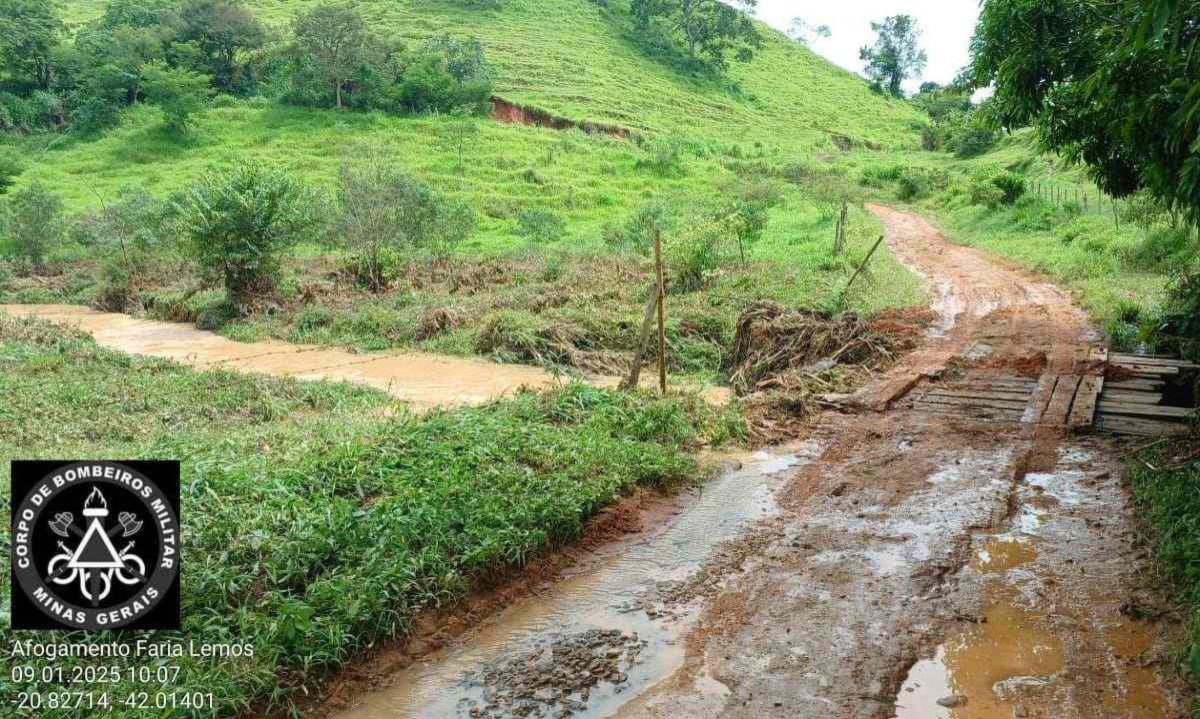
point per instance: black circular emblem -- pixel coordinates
(100, 548)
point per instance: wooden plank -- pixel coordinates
(1149, 360)
(1061, 400)
(1129, 409)
(1111, 395)
(1139, 427)
(1026, 389)
(981, 394)
(1150, 369)
(989, 403)
(1135, 385)
(1083, 409)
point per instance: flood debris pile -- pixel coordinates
(554, 678)
(784, 360)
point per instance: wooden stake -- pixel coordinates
(662, 312)
(863, 264)
(635, 372)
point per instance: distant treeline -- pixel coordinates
(177, 53)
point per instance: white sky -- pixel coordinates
(946, 27)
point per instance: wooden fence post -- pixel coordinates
(639, 358)
(862, 264)
(662, 312)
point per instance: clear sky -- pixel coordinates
(946, 27)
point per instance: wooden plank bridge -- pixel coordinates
(1123, 394)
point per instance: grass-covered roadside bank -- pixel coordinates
(319, 518)
(1166, 480)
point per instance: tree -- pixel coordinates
(29, 33)
(710, 29)
(335, 40)
(1117, 92)
(446, 74)
(896, 55)
(804, 32)
(34, 224)
(218, 35)
(386, 212)
(178, 92)
(239, 222)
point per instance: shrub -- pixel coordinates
(541, 226)
(880, 175)
(387, 212)
(664, 157)
(446, 73)
(986, 193)
(239, 222)
(10, 167)
(1011, 184)
(1181, 319)
(750, 210)
(694, 253)
(637, 232)
(178, 92)
(33, 225)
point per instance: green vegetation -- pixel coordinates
(322, 517)
(1164, 487)
(1043, 212)
(896, 55)
(1117, 96)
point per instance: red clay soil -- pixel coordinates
(511, 113)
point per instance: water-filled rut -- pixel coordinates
(587, 622)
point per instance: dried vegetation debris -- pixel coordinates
(784, 360)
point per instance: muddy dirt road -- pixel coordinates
(943, 558)
(420, 379)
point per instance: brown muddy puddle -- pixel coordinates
(1011, 648)
(423, 380)
(1050, 641)
(478, 671)
(1001, 554)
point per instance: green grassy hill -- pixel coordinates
(568, 57)
(575, 59)
(775, 118)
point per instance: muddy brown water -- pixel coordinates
(422, 380)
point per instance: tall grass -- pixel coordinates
(320, 518)
(1165, 491)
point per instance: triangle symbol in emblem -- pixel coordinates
(96, 551)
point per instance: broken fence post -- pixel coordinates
(862, 264)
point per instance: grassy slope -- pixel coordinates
(566, 56)
(321, 517)
(1164, 487)
(570, 57)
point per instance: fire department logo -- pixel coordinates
(95, 545)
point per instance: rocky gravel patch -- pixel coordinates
(556, 677)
